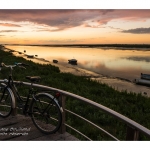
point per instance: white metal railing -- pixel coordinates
(133, 128)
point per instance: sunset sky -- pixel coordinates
(74, 26)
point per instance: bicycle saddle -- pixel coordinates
(33, 78)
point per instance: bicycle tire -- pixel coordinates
(46, 114)
(5, 102)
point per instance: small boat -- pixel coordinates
(55, 61)
(30, 56)
(145, 76)
(72, 61)
(142, 82)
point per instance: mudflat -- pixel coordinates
(116, 83)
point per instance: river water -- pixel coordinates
(114, 62)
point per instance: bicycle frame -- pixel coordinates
(10, 84)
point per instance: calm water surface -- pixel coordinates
(124, 63)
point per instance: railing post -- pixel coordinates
(14, 112)
(62, 104)
(132, 134)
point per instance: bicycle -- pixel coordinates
(43, 109)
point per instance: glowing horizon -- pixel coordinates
(91, 26)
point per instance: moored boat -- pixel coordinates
(72, 61)
(30, 56)
(142, 82)
(145, 76)
(55, 61)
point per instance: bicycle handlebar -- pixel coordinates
(21, 64)
(12, 66)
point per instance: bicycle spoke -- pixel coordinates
(5, 103)
(46, 114)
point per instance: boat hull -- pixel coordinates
(72, 61)
(142, 82)
(145, 76)
(55, 61)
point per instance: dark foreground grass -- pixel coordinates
(134, 106)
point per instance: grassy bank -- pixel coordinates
(132, 105)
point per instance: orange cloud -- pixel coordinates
(2, 31)
(9, 25)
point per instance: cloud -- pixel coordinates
(87, 25)
(92, 26)
(138, 31)
(63, 41)
(114, 28)
(60, 19)
(48, 30)
(64, 19)
(2, 31)
(60, 40)
(9, 25)
(99, 26)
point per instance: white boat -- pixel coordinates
(142, 82)
(145, 76)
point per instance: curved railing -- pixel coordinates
(133, 128)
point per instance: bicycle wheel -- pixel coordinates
(46, 113)
(5, 102)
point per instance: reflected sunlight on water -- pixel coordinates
(112, 62)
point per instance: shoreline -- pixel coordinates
(117, 83)
(124, 46)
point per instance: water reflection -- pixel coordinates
(142, 58)
(127, 63)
